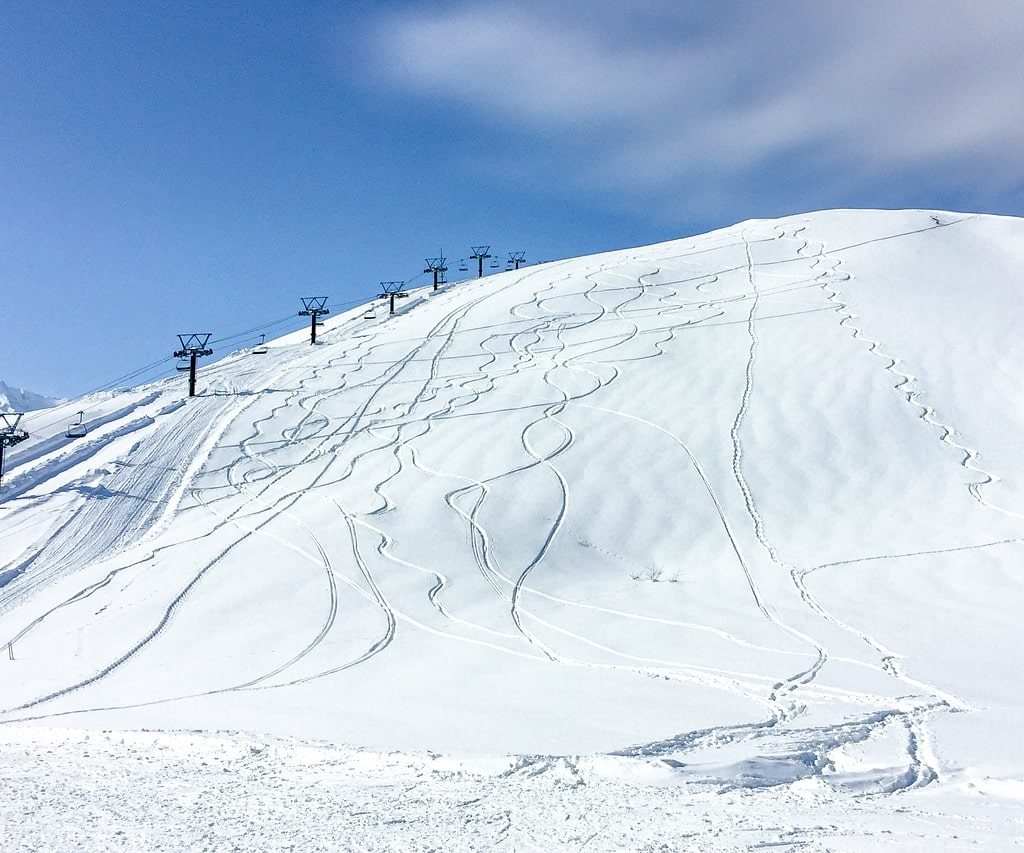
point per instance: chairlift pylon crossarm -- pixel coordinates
(314, 305)
(9, 422)
(196, 343)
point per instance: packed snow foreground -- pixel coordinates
(713, 543)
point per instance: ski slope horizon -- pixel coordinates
(741, 511)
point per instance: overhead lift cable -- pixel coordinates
(59, 417)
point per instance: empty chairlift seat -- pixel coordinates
(77, 429)
(261, 347)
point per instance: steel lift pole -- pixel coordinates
(313, 307)
(193, 346)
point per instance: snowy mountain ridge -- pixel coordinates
(19, 400)
(737, 516)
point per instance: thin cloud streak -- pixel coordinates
(539, 69)
(669, 102)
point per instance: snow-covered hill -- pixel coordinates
(19, 400)
(739, 513)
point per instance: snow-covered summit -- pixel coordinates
(19, 400)
(735, 512)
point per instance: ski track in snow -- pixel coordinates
(924, 769)
(547, 414)
(278, 507)
(907, 384)
(279, 465)
(164, 621)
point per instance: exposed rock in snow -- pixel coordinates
(19, 400)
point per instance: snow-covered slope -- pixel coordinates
(736, 512)
(19, 400)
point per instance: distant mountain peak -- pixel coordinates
(14, 399)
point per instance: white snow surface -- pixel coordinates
(708, 544)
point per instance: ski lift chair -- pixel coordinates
(183, 364)
(494, 265)
(463, 267)
(261, 347)
(77, 429)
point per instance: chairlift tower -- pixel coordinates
(10, 434)
(437, 267)
(193, 347)
(313, 306)
(392, 290)
(480, 254)
(516, 258)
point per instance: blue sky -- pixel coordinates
(200, 166)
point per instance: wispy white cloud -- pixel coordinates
(534, 67)
(675, 98)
